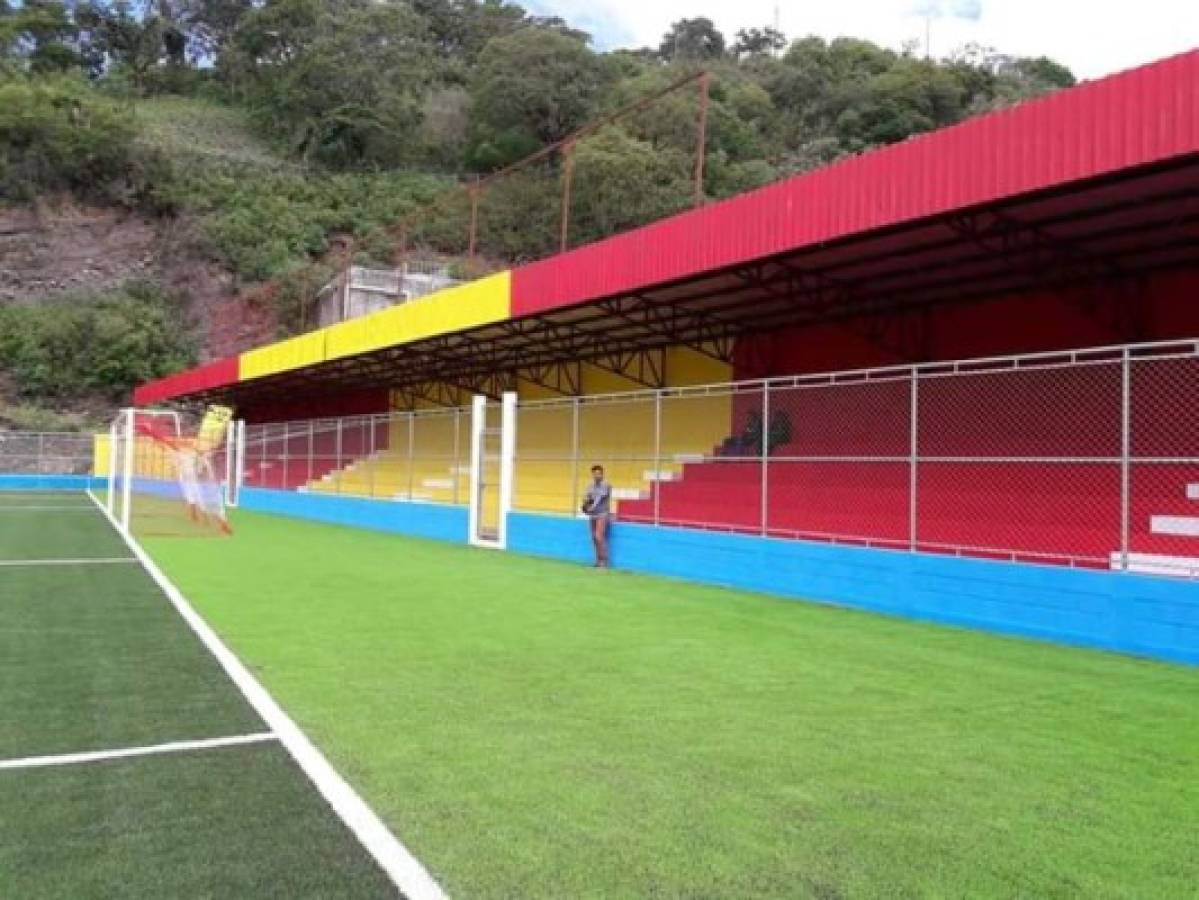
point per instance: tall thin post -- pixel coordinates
(657, 483)
(456, 466)
(914, 461)
(411, 452)
(568, 168)
(508, 406)
(765, 508)
(338, 445)
(701, 149)
(373, 424)
(311, 450)
(41, 453)
(1125, 456)
(574, 455)
(473, 242)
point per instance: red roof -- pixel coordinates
(1128, 120)
(1069, 144)
(215, 374)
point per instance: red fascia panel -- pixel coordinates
(221, 373)
(1143, 116)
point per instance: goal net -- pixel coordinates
(168, 471)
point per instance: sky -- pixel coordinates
(1093, 38)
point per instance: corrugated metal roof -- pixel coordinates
(1133, 119)
(215, 374)
(1124, 122)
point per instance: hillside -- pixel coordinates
(181, 177)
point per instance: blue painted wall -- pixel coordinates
(427, 520)
(48, 482)
(1157, 617)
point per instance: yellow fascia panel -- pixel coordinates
(454, 309)
(294, 353)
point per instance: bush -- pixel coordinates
(102, 345)
(58, 134)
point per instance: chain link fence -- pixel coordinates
(423, 455)
(45, 453)
(1087, 458)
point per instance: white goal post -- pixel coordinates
(173, 473)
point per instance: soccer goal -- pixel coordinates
(171, 473)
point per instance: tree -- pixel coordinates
(342, 83)
(758, 42)
(693, 40)
(531, 88)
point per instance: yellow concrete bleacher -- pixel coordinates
(615, 431)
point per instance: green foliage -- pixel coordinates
(103, 344)
(531, 88)
(692, 39)
(56, 134)
(31, 417)
(263, 223)
(339, 83)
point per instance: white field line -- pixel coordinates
(404, 869)
(71, 759)
(83, 561)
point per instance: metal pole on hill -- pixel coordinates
(568, 168)
(701, 151)
(473, 242)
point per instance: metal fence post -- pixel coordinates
(1125, 456)
(574, 455)
(373, 424)
(456, 467)
(657, 483)
(411, 452)
(286, 485)
(764, 509)
(41, 453)
(311, 449)
(914, 462)
(337, 461)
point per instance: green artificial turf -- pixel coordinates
(95, 658)
(232, 822)
(537, 729)
(71, 529)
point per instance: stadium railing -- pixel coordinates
(1084, 458)
(46, 453)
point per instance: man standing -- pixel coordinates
(597, 506)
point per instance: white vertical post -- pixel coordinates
(764, 511)
(507, 461)
(373, 424)
(574, 455)
(127, 465)
(230, 463)
(239, 471)
(411, 452)
(1125, 457)
(478, 421)
(337, 465)
(914, 461)
(656, 485)
(456, 463)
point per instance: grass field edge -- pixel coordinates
(407, 873)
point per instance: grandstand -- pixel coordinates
(974, 343)
(952, 380)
